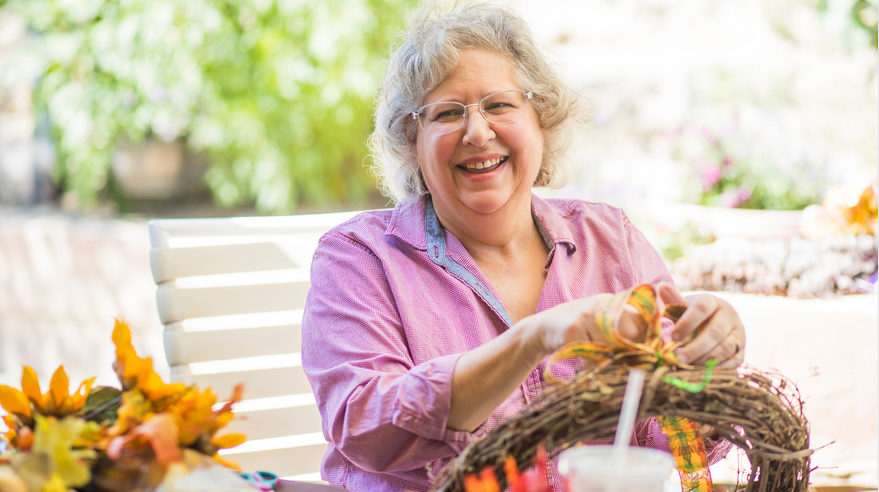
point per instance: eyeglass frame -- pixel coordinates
(528, 97)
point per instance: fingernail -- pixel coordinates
(683, 359)
(677, 337)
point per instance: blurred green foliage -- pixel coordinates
(749, 162)
(863, 16)
(277, 93)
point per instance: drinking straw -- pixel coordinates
(629, 411)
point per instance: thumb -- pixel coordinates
(670, 295)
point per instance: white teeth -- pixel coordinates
(483, 165)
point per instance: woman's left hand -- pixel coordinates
(720, 336)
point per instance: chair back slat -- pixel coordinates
(262, 383)
(172, 263)
(230, 294)
(264, 424)
(164, 231)
(178, 304)
(182, 347)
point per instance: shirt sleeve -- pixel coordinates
(647, 265)
(379, 409)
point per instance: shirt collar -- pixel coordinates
(415, 222)
(407, 222)
(552, 224)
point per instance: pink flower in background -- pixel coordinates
(710, 176)
(730, 199)
(708, 135)
(744, 192)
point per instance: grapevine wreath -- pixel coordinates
(759, 412)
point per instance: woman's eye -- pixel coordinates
(450, 114)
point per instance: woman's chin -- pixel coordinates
(486, 202)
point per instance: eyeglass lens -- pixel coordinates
(447, 117)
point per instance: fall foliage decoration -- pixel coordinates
(106, 439)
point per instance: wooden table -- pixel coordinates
(289, 486)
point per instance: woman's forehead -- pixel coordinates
(477, 74)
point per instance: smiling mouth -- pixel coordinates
(484, 167)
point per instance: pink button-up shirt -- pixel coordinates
(396, 299)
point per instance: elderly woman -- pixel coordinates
(429, 324)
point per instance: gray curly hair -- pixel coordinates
(426, 55)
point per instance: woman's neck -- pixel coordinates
(508, 231)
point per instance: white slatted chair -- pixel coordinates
(230, 294)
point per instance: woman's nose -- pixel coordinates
(477, 130)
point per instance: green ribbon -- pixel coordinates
(693, 387)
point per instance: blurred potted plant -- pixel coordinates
(746, 178)
(276, 94)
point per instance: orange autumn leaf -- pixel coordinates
(81, 395)
(472, 483)
(228, 440)
(10, 434)
(152, 384)
(489, 480)
(137, 372)
(227, 464)
(511, 470)
(30, 385)
(161, 432)
(57, 401)
(195, 415)
(135, 408)
(59, 386)
(122, 339)
(14, 401)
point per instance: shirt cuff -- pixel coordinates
(425, 401)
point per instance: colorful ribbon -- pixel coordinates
(685, 441)
(686, 446)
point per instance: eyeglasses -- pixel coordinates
(502, 107)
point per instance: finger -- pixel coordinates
(670, 295)
(738, 334)
(710, 336)
(632, 326)
(731, 363)
(723, 351)
(699, 310)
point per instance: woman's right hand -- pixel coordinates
(575, 321)
(485, 376)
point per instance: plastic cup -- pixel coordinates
(596, 469)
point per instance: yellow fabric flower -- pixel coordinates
(57, 401)
(55, 484)
(55, 438)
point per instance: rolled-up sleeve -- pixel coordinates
(380, 410)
